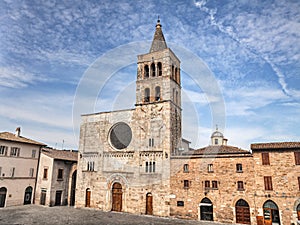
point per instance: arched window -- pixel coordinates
(172, 72)
(271, 212)
(147, 95)
(153, 70)
(176, 97)
(159, 67)
(157, 93)
(146, 71)
(175, 74)
(242, 212)
(3, 192)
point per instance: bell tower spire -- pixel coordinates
(158, 42)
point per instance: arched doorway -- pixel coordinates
(88, 197)
(242, 212)
(271, 213)
(27, 195)
(73, 188)
(117, 197)
(3, 192)
(206, 210)
(298, 211)
(149, 204)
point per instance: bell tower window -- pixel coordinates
(157, 93)
(172, 72)
(153, 72)
(159, 69)
(147, 95)
(146, 71)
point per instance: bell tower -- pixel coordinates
(158, 81)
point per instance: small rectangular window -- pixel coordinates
(186, 168)
(31, 171)
(151, 142)
(210, 168)
(239, 168)
(268, 183)
(186, 184)
(207, 184)
(33, 153)
(90, 166)
(265, 158)
(153, 167)
(214, 184)
(180, 203)
(240, 185)
(45, 174)
(12, 172)
(0, 171)
(14, 151)
(3, 150)
(297, 158)
(60, 173)
(216, 141)
(147, 167)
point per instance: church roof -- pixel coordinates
(61, 154)
(217, 150)
(7, 136)
(159, 42)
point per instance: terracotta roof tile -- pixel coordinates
(61, 154)
(275, 145)
(7, 136)
(222, 149)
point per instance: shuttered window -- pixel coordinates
(297, 158)
(265, 158)
(268, 183)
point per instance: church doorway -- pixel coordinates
(88, 197)
(242, 211)
(271, 213)
(3, 192)
(73, 188)
(149, 204)
(27, 196)
(117, 197)
(206, 210)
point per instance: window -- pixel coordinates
(3, 150)
(186, 168)
(14, 151)
(297, 158)
(186, 184)
(180, 203)
(214, 184)
(151, 142)
(1, 171)
(153, 70)
(90, 166)
(150, 167)
(157, 93)
(239, 168)
(216, 141)
(240, 185)
(159, 69)
(45, 174)
(31, 171)
(60, 174)
(146, 71)
(147, 95)
(33, 153)
(265, 158)
(12, 172)
(207, 184)
(210, 168)
(268, 183)
(298, 181)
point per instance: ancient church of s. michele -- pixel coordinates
(136, 161)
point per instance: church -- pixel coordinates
(136, 161)
(125, 155)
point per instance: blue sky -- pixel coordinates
(252, 48)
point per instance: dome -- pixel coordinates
(217, 134)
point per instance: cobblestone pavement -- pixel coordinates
(34, 214)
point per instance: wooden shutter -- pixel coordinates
(268, 183)
(265, 158)
(297, 158)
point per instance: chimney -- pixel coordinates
(18, 132)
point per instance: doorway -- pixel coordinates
(271, 213)
(242, 211)
(27, 195)
(149, 204)
(88, 197)
(73, 188)
(117, 197)
(58, 195)
(206, 210)
(3, 192)
(298, 211)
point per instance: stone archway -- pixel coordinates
(271, 213)
(73, 188)
(242, 211)
(28, 195)
(117, 197)
(206, 210)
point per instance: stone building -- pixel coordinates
(56, 181)
(124, 162)
(19, 158)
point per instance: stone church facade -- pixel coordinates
(132, 160)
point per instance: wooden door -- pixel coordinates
(58, 198)
(242, 215)
(43, 197)
(117, 197)
(3, 191)
(88, 198)
(27, 195)
(149, 204)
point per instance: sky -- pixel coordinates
(251, 48)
